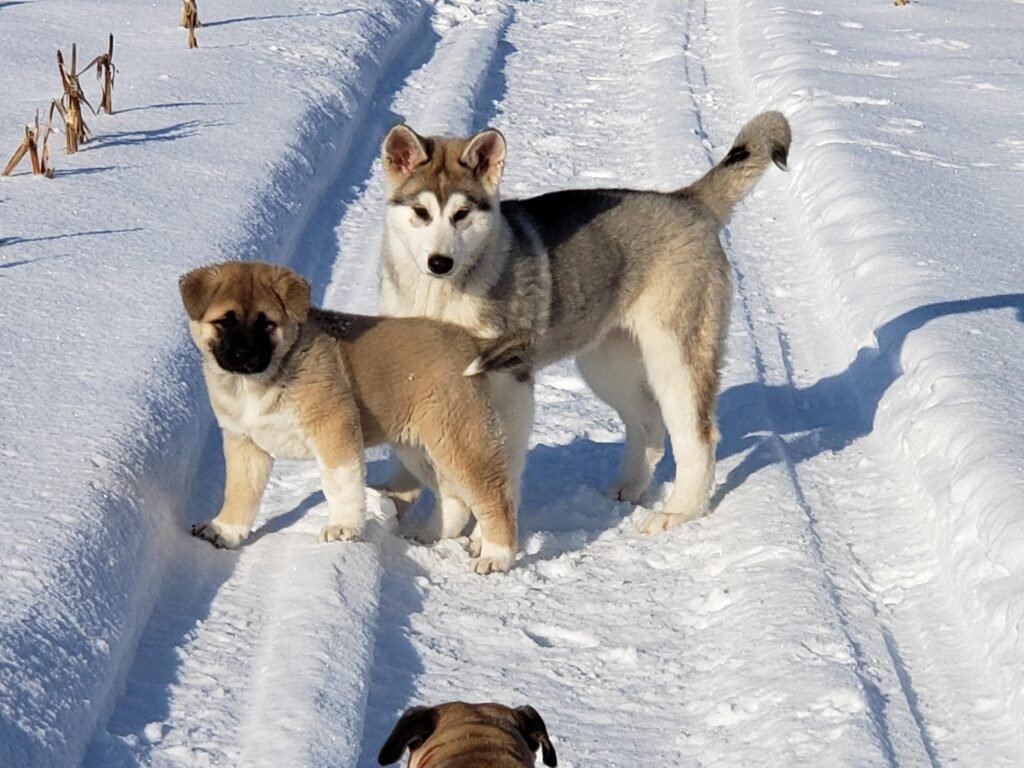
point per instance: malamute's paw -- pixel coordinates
(340, 533)
(629, 491)
(422, 533)
(403, 500)
(221, 536)
(662, 521)
(493, 559)
(429, 532)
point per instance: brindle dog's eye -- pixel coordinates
(421, 213)
(460, 214)
(226, 321)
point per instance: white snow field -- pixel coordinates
(854, 598)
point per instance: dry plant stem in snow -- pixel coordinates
(30, 146)
(190, 20)
(70, 104)
(105, 69)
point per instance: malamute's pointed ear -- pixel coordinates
(485, 156)
(535, 732)
(402, 153)
(412, 729)
(294, 292)
(197, 289)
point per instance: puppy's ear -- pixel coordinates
(294, 292)
(197, 289)
(402, 153)
(412, 729)
(535, 732)
(485, 157)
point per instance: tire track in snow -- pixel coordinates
(236, 664)
(861, 501)
(877, 694)
(887, 692)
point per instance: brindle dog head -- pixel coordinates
(244, 315)
(464, 735)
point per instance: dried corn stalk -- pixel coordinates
(70, 104)
(106, 70)
(30, 146)
(190, 20)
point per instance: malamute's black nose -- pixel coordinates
(440, 265)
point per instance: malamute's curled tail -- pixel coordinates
(764, 139)
(512, 353)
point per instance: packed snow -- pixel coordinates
(855, 596)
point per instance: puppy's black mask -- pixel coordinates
(242, 348)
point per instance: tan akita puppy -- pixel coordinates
(293, 381)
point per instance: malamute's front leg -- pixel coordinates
(447, 520)
(448, 517)
(402, 487)
(247, 469)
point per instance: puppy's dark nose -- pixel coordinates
(440, 265)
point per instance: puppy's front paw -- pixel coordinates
(493, 559)
(339, 533)
(221, 536)
(486, 565)
(663, 521)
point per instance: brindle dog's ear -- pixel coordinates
(536, 733)
(294, 293)
(402, 153)
(485, 157)
(197, 289)
(412, 729)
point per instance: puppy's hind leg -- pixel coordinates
(614, 371)
(247, 470)
(478, 468)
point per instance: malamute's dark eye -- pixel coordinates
(421, 213)
(460, 215)
(226, 321)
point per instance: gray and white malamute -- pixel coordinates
(634, 284)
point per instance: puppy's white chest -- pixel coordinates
(270, 422)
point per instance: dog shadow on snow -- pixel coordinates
(769, 423)
(833, 412)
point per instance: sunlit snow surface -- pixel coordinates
(856, 596)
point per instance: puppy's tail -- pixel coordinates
(763, 140)
(512, 353)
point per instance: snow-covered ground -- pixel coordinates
(856, 597)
